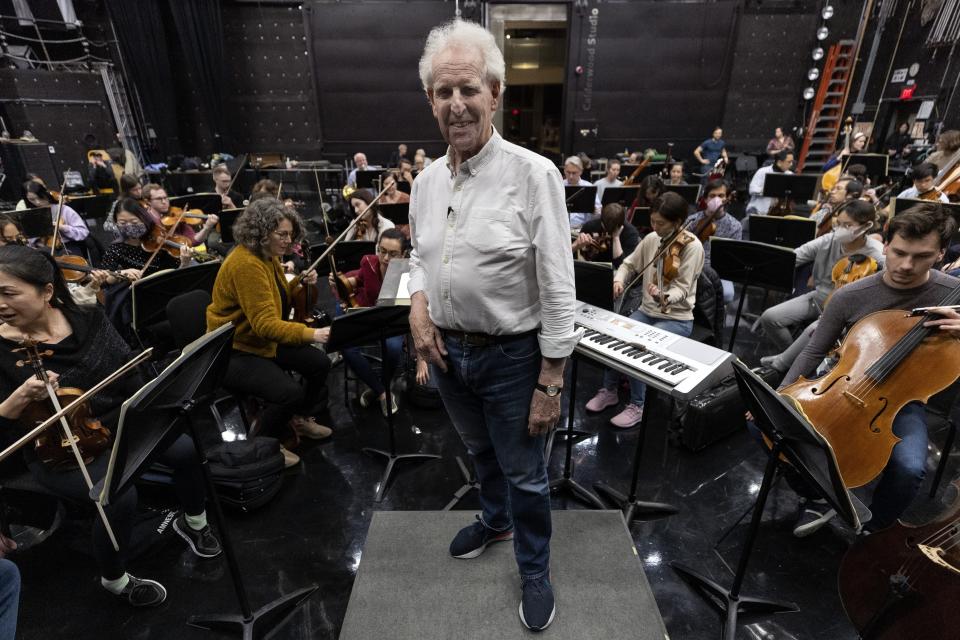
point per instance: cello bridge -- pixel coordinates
(857, 401)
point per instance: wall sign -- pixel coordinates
(899, 75)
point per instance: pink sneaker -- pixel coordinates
(604, 398)
(629, 417)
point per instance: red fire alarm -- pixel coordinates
(907, 92)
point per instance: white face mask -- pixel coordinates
(846, 236)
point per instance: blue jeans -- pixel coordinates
(9, 599)
(487, 392)
(362, 367)
(904, 472)
(638, 390)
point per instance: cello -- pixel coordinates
(902, 582)
(884, 364)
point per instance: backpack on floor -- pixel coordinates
(246, 473)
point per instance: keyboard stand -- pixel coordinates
(566, 482)
(632, 507)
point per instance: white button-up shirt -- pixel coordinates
(491, 246)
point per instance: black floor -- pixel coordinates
(313, 532)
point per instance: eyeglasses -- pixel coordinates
(283, 235)
(159, 198)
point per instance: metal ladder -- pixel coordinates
(820, 139)
(123, 115)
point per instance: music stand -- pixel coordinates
(580, 199)
(790, 186)
(155, 412)
(810, 455)
(33, 223)
(362, 327)
(149, 296)
(209, 203)
(391, 292)
(689, 192)
(346, 255)
(396, 213)
(624, 196)
(227, 219)
(902, 204)
(752, 263)
(877, 164)
(594, 285)
(367, 178)
(641, 220)
(652, 169)
(782, 232)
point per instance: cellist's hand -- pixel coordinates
(950, 321)
(309, 277)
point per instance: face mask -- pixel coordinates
(846, 235)
(132, 230)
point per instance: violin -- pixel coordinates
(176, 215)
(77, 269)
(82, 430)
(601, 244)
(902, 582)
(159, 238)
(669, 266)
(884, 364)
(851, 268)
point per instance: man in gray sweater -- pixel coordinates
(916, 240)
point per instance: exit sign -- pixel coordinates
(907, 92)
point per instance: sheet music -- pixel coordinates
(403, 292)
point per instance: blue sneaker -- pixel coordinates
(537, 607)
(473, 540)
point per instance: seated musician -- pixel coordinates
(134, 224)
(857, 143)
(844, 190)
(405, 172)
(252, 292)
(366, 282)
(676, 175)
(267, 185)
(372, 224)
(651, 188)
(130, 187)
(158, 207)
(669, 308)
(9, 232)
(608, 238)
(100, 173)
(392, 195)
(73, 230)
(924, 177)
(948, 143)
(849, 237)
(35, 304)
(573, 177)
(916, 240)
(760, 204)
(610, 179)
(221, 186)
(717, 197)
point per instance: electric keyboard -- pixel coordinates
(671, 363)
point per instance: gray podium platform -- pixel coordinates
(409, 588)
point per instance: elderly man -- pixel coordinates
(573, 177)
(492, 301)
(360, 160)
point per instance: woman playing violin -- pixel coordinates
(84, 349)
(252, 292)
(372, 225)
(73, 230)
(669, 292)
(127, 255)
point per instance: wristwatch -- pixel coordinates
(550, 390)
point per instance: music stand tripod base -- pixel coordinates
(392, 459)
(261, 621)
(469, 484)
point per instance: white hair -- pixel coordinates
(575, 161)
(461, 34)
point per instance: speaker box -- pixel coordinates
(19, 159)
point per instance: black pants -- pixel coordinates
(188, 482)
(266, 378)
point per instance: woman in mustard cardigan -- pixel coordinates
(252, 292)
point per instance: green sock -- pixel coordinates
(116, 586)
(196, 522)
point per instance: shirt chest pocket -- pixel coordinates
(494, 231)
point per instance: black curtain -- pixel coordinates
(143, 41)
(199, 25)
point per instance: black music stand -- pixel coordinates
(227, 219)
(624, 196)
(347, 255)
(156, 412)
(752, 263)
(33, 223)
(641, 220)
(580, 199)
(362, 327)
(631, 505)
(594, 285)
(367, 178)
(877, 164)
(789, 187)
(782, 232)
(689, 192)
(149, 296)
(810, 455)
(396, 213)
(209, 203)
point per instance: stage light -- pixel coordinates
(827, 12)
(808, 93)
(813, 74)
(822, 33)
(818, 53)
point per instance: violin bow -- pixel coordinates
(166, 234)
(664, 247)
(56, 223)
